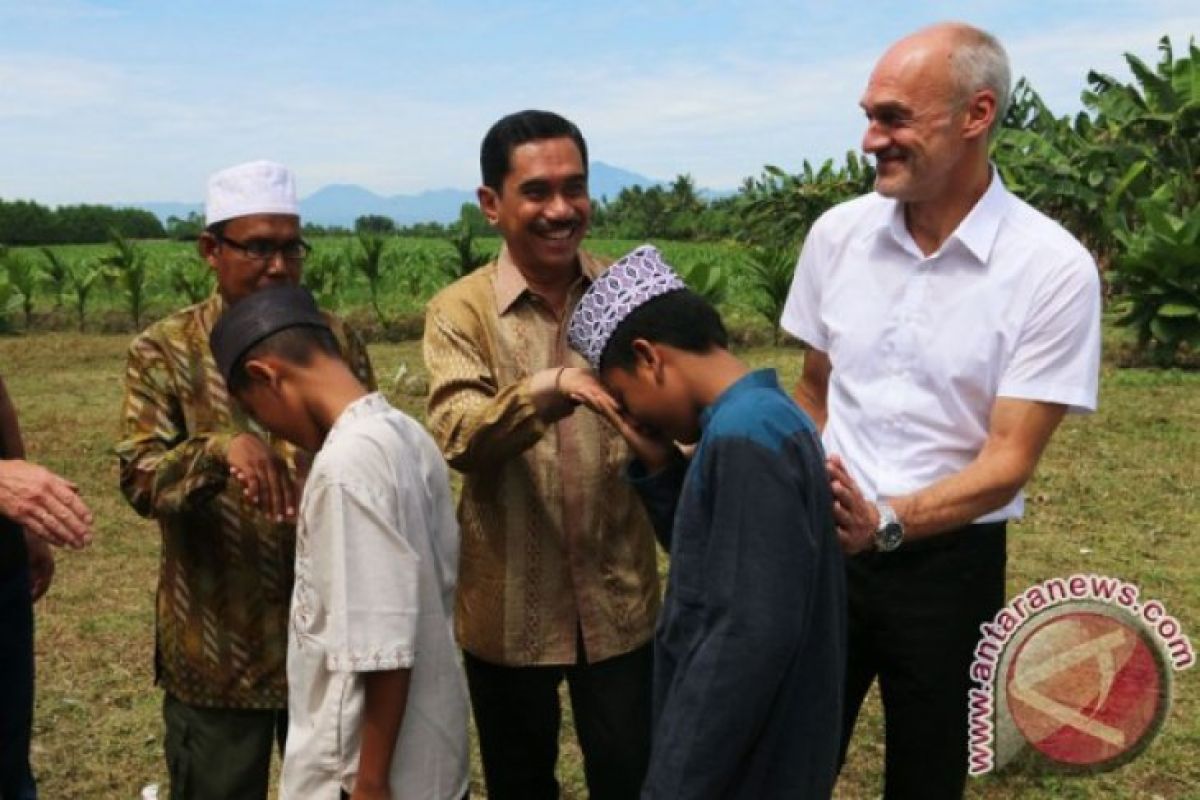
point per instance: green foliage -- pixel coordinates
(325, 275)
(368, 261)
(706, 278)
(467, 258)
(6, 291)
(1054, 165)
(187, 229)
(125, 266)
(26, 222)
(780, 207)
(23, 278)
(56, 271)
(677, 212)
(1159, 273)
(374, 225)
(82, 276)
(770, 271)
(190, 276)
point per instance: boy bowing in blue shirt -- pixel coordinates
(749, 653)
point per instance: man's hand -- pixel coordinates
(44, 504)
(652, 449)
(264, 477)
(856, 519)
(41, 565)
(581, 387)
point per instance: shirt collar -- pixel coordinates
(978, 230)
(511, 286)
(368, 405)
(758, 379)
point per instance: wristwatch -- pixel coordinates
(890, 532)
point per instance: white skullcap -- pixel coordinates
(257, 187)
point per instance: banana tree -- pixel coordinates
(56, 270)
(23, 278)
(82, 277)
(126, 267)
(191, 277)
(325, 275)
(1159, 275)
(368, 259)
(770, 271)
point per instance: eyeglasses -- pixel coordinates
(266, 250)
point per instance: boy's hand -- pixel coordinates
(264, 477)
(652, 449)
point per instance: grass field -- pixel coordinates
(1116, 494)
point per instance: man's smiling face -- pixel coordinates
(543, 208)
(914, 121)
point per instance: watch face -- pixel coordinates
(889, 536)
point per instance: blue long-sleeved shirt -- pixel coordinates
(750, 648)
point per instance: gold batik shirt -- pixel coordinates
(556, 545)
(225, 579)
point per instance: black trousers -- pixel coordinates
(914, 622)
(517, 716)
(16, 672)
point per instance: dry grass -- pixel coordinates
(1120, 484)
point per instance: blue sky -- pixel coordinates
(112, 100)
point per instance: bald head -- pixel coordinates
(956, 60)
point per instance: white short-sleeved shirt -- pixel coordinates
(376, 563)
(921, 346)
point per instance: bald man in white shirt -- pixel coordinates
(951, 327)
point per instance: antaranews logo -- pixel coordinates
(1076, 670)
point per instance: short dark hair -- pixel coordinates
(495, 154)
(680, 319)
(296, 345)
(217, 229)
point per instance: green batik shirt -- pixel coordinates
(225, 577)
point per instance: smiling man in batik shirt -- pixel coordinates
(557, 574)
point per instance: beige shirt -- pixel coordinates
(376, 556)
(555, 543)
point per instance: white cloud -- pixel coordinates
(73, 129)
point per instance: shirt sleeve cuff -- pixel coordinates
(379, 660)
(1077, 400)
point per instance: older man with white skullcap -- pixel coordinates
(224, 493)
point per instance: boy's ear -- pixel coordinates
(261, 371)
(646, 354)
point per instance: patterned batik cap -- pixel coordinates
(632, 280)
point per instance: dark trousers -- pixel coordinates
(16, 683)
(220, 753)
(914, 622)
(517, 716)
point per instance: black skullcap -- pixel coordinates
(257, 316)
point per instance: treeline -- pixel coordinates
(26, 222)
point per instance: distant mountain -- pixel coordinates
(341, 204)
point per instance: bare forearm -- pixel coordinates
(11, 445)
(955, 501)
(812, 404)
(1020, 432)
(386, 697)
(812, 390)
